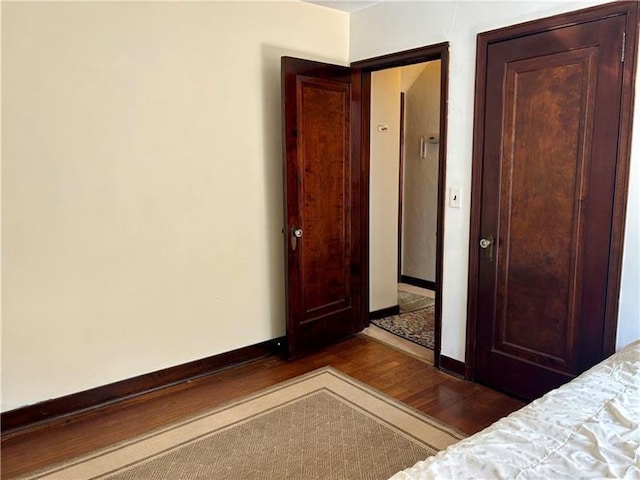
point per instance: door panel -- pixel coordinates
(542, 181)
(548, 181)
(323, 115)
(322, 188)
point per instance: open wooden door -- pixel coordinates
(548, 173)
(322, 190)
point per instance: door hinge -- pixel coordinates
(624, 46)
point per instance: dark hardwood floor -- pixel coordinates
(464, 405)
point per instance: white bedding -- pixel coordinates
(588, 428)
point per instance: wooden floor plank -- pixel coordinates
(464, 405)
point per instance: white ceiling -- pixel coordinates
(345, 6)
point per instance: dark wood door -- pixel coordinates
(322, 178)
(551, 125)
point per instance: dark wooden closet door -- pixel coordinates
(552, 119)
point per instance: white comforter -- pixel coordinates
(588, 428)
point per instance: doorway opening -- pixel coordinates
(404, 142)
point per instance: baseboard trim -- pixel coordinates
(453, 366)
(385, 312)
(65, 408)
(418, 282)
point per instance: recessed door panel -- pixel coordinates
(323, 143)
(543, 182)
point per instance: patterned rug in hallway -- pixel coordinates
(409, 301)
(320, 425)
(416, 326)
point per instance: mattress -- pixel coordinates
(588, 428)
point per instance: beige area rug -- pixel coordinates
(322, 425)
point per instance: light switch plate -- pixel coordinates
(455, 194)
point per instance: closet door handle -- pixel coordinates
(296, 233)
(486, 243)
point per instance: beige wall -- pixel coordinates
(383, 182)
(420, 197)
(141, 187)
(396, 26)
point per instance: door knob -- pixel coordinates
(296, 233)
(486, 243)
